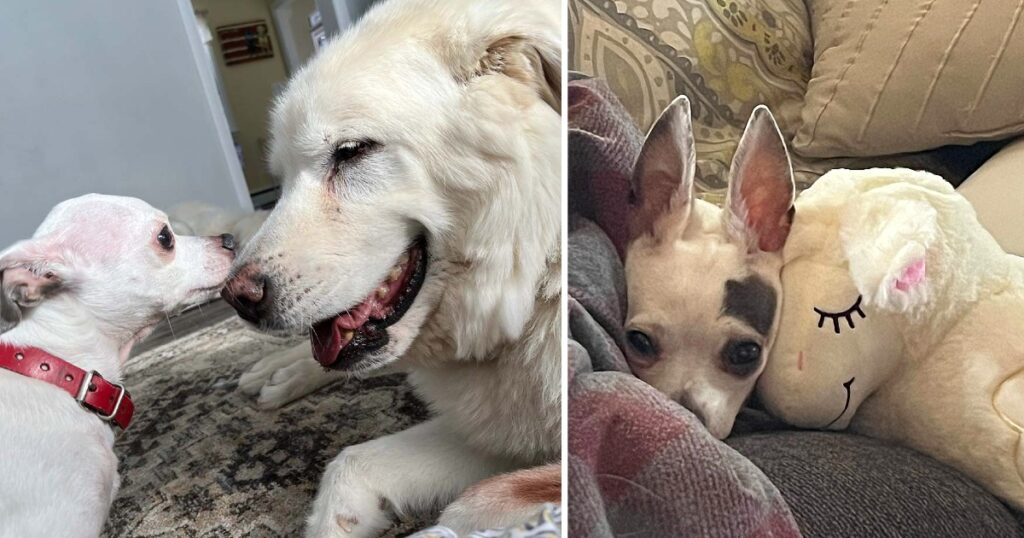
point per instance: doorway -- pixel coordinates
(250, 63)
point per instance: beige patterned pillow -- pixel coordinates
(727, 56)
(893, 76)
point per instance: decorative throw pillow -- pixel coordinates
(892, 77)
(727, 56)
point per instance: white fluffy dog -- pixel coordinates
(419, 226)
(97, 276)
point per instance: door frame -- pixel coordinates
(216, 108)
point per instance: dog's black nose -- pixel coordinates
(228, 241)
(247, 292)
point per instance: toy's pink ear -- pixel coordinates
(886, 241)
(29, 273)
(912, 276)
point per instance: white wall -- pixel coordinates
(107, 97)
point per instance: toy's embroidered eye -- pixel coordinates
(845, 314)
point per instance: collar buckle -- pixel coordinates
(83, 392)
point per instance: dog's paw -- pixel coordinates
(345, 506)
(291, 383)
(253, 380)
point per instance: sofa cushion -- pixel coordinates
(996, 190)
(892, 77)
(839, 484)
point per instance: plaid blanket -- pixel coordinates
(639, 463)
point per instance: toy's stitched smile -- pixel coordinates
(848, 386)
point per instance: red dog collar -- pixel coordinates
(108, 400)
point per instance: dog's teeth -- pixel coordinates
(404, 259)
(382, 291)
(347, 335)
(395, 273)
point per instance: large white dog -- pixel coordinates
(420, 226)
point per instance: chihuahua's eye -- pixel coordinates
(351, 150)
(641, 343)
(166, 239)
(742, 357)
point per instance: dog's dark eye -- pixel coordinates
(641, 343)
(351, 150)
(742, 357)
(166, 239)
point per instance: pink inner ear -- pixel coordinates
(912, 275)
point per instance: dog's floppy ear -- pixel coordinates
(28, 275)
(760, 199)
(663, 174)
(886, 242)
(528, 60)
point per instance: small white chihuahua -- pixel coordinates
(703, 282)
(95, 279)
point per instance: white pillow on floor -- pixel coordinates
(996, 190)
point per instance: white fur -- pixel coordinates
(58, 472)
(938, 365)
(468, 155)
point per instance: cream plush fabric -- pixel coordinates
(996, 190)
(902, 321)
(892, 77)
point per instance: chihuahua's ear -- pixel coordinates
(29, 273)
(759, 204)
(663, 174)
(886, 242)
(531, 60)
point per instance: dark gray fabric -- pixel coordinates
(840, 484)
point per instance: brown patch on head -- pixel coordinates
(753, 301)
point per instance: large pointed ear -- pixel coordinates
(29, 273)
(886, 242)
(663, 174)
(760, 199)
(530, 60)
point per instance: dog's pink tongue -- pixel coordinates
(326, 341)
(326, 336)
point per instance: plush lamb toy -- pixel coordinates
(902, 319)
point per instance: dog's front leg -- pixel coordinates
(412, 470)
(284, 376)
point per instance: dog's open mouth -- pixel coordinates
(345, 339)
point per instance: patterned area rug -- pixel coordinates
(201, 460)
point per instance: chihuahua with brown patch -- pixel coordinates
(703, 282)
